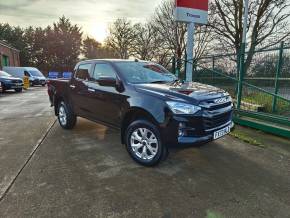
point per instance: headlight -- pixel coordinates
(182, 108)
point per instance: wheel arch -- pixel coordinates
(135, 113)
(56, 100)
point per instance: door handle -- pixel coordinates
(91, 90)
(72, 86)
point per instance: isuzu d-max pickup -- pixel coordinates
(148, 104)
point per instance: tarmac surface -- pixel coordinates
(46, 171)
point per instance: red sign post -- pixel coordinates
(191, 12)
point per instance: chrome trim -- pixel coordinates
(219, 127)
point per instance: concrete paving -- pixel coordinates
(24, 119)
(86, 172)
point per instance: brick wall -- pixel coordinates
(11, 53)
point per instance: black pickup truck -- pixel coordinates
(146, 102)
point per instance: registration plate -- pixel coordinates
(222, 132)
(17, 85)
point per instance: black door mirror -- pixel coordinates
(107, 81)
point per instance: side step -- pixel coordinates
(266, 126)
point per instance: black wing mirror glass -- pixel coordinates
(107, 81)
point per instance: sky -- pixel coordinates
(93, 16)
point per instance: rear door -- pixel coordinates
(79, 89)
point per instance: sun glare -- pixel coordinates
(98, 31)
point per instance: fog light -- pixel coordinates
(181, 125)
(181, 131)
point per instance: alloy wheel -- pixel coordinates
(144, 143)
(62, 115)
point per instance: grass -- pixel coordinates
(266, 100)
(246, 138)
(211, 214)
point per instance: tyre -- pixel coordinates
(18, 90)
(66, 117)
(144, 144)
(43, 85)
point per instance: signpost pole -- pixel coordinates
(189, 50)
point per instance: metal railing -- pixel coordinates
(265, 86)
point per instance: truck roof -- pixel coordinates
(113, 60)
(25, 68)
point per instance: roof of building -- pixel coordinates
(4, 43)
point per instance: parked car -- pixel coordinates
(146, 102)
(35, 76)
(10, 82)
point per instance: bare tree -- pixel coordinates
(268, 24)
(91, 47)
(171, 34)
(94, 49)
(121, 36)
(144, 43)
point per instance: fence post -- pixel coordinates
(238, 71)
(185, 66)
(241, 75)
(278, 71)
(173, 70)
(213, 67)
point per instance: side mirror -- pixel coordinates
(107, 81)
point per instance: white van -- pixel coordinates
(35, 76)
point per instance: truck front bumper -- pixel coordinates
(184, 129)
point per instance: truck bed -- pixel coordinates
(57, 87)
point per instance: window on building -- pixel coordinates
(5, 61)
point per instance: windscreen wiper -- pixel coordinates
(159, 81)
(176, 81)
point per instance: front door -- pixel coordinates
(106, 100)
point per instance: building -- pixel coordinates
(9, 56)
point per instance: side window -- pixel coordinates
(104, 70)
(26, 73)
(84, 72)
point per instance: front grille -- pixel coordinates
(210, 105)
(16, 81)
(217, 120)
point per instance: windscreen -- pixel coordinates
(144, 72)
(4, 74)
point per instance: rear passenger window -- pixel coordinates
(84, 72)
(104, 70)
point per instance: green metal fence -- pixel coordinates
(265, 86)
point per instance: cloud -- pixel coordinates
(85, 13)
(108, 9)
